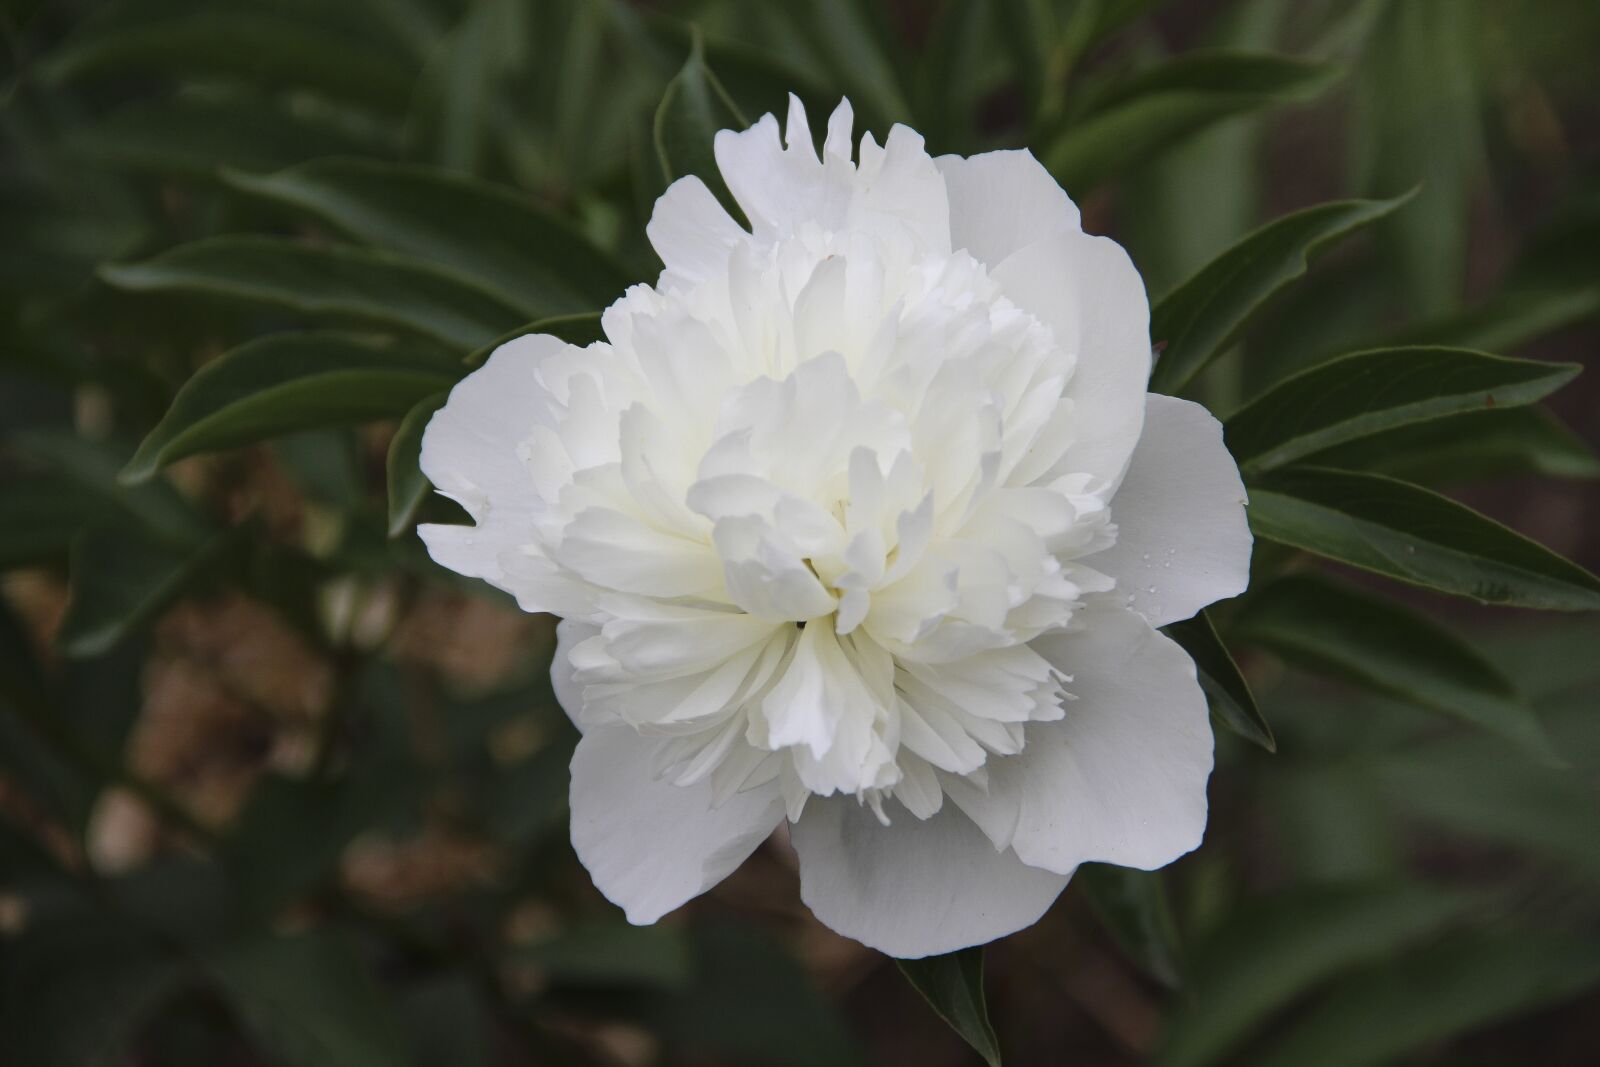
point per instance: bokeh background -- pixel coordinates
(274, 790)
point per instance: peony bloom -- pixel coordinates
(861, 519)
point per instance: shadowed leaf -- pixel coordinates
(1201, 317)
(285, 382)
(1369, 392)
(1413, 534)
(953, 985)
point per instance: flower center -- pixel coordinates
(841, 518)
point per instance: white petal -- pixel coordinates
(472, 453)
(767, 576)
(1122, 778)
(777, 188)
(1003, 201)
(1087, 290)
(1182, 537)
(915, 887)
(622, 552)
(650, 845)
(691, 232)
(569, 634)
(840, 125)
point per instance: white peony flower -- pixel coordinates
(862, 520)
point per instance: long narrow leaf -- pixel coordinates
(953, 987)
(495, 235)
(1228, 694)
(1201, 317)
(1156, 110)
(1389, 648)
(333, 282)
(1369, 392)
(286, 382)
(1415, 535)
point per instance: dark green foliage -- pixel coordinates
(250, 245)
(953, 986)
(1232, 703)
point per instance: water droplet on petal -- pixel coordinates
(1149, 589)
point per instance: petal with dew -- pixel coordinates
(1183, 540)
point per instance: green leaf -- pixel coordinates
(1133, 907)
(693, 108)
(953, 986)
(752, 1001)
(408, 486)
(1155, 110)
(309, 1001)
(89, 470)
(284, 382)
(1029, 30)
(327, 465)
(1463, 983)
(256, 48)
(849, 49)
(449, 1022)
(291, 833)
(1273, 951)
(1387, 647)
(453, 112)
(1463, 788)
(611, 954)
(1470, 447)
(74, 994)
(1415, 535)
(331, 281)
(1415, 119)
(38, 521)
(1227, 693)
(30, 723)
(1200, 318)
(119, 581)
(1509, 319)
(580, 330)
(952, 74)
(497, 236)
(1368, 392)
(194, 135)
(1187, 207)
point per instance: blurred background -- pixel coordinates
(275, 790)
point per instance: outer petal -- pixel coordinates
(782, 186)
(1183, 540)
(1087, 290)
(691, 232)
(472, 452)
(1122, 778)
(916, 887)
(650, 845)
(569, 634)
(1001, 202)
